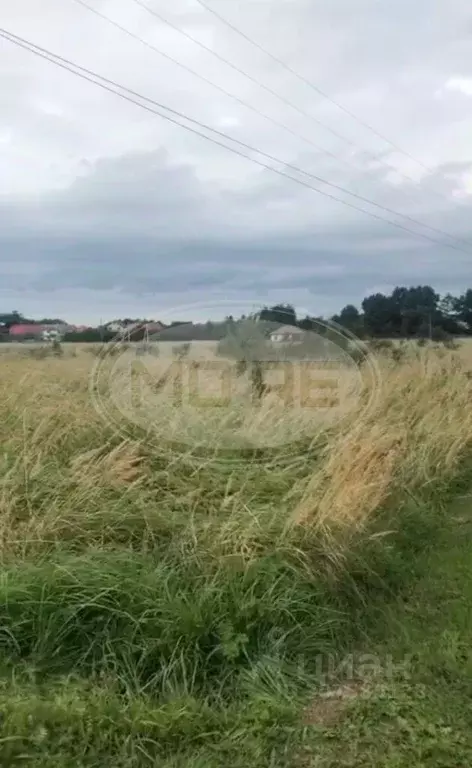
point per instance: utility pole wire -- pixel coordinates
(338, 158)
(311, 85)
(246, 146)
(214, 85)
(226, 136)
(287, 102)
(282, 125)
(89, 76)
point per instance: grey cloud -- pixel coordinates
(96, 195)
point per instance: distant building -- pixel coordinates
(287, 334)
(152, 328)
(52, 334)
(37, 332)
(134, 330)
(23, 331)
(116, 327)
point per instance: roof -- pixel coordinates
(21, 329)
(286, 330)
(154, 327)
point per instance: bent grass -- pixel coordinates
(183, 593)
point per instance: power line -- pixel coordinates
(227, 93)
(212, 84)
(232, 96)
(223, 135)
(286, 101)
(311, 85)
(237, 141)
(88, 75)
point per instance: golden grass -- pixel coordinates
(417, 434)
(67, 473)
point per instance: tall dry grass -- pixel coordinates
(147, 582)
(67, 471)
(417, 432)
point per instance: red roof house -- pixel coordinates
(26, 329)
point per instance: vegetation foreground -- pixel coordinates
(160, 608)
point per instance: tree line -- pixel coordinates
(410, 312)
(414, 312)
(406, 312)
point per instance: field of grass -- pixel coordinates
(178, 607)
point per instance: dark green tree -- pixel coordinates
(380, 315)
(464, 309)
(351, 319)
(280, 314)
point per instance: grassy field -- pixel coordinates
(180, 607)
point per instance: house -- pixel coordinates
(133, 327)
(287, 334)
(37, 332)
(52, 334)
(23, 331)
(154, 328)
(116, 326)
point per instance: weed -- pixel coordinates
(168, 607)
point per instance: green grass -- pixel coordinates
(134, 659)
(162, 609)
(424, 717)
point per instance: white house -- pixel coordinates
(287, 334)
(116, 327)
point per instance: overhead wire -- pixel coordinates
(110, 86)
(133, 35)
(274, 93)
(220, 88)
(288, 165)
(310, 84)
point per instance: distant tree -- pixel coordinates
(13, 318)
(349, 315)
(448, 305)
(464, 309)
(351, 319)
(416, 309)
(380, 317)
(306, 323)
(448, 310)
(281, 314)
(89, 336)
(413, 311)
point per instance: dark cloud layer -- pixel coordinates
(97, 198)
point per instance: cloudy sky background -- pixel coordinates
(106, 210)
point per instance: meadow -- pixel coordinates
(171, 596)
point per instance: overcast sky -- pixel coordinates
(108, 211)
